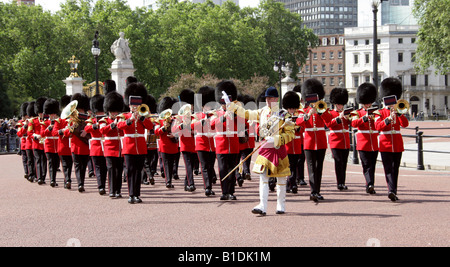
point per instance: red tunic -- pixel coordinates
(51, 140)
(367, 135)
(111, 136)
(134, 135)
(63, 141)
(315, 136)
(226, 138)
(166, 144)
(35, 131)
(390, 138)
(339, 136)
(204, 136)
(95, 143)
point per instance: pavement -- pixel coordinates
(41, 216)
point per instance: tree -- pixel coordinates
(434, 34)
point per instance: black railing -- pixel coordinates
(419, 136)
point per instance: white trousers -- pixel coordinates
(264, 192)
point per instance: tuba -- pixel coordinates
(402, 106)
(71, 112)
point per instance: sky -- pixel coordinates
(53, 5)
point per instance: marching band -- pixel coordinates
(123, 135)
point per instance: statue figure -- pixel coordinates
(120, 48)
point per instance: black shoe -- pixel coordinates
(294, 190)
(102, 191)
(137, 200)
(53, 184)
(392, 196)
(112, 195)
(342, 187)
(314, 197)
(240, 182)
(302, 182)
(176, 177)
(208, 192)
(247, 176)
(280, 212)
(152, 181)
(117, 195)
(258, 211)
(68, 185)
(41, 182)
(224, 197)
(131, 200)
(91, 174)
(370, 190)
(196, 172)
(232, 197)
(146, 182)
(169, 185)
(81, 189)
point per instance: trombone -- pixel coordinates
(402, 106)
(321, 106)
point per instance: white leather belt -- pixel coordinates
(315, 129)
(96, 139)
(52, 138)
(134, 135)
(368, 131)
(390, 132)
(205, 134)
(112, 138)
(226, 133)
(339, 131)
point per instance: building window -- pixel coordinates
(413, 56)
(355, 42)
(413, 40)
(367, 42)
(400, 57)
(324, 81)
(355, 59)
(340, 54)
(426, 80)
(315, 68)
(413, 80)
(341, 40)
(324, 68)
(331, 81)
(314, 55)
(400, 40)
(323, 55)
(332, 41)
(355, 81)
(367, 58)
(331, 67)
(340, 68)
(331, 55)
(324, 41)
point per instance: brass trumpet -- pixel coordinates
(144, 110)
(402, 106)
(321, 106)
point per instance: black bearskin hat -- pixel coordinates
(83, 101)
(39, 105)
(246, 99)
(65, 100)
(109, 86)
(166, 103)
(130, 80)
(150, 101)
(366, 93)
(51, 106)
(313, 86)
(23, 109)
(297, 88)
(339, 96)
(208, 94)
(96, 103)
(291, 100)
(261, 101)
(113, 102)
(391, 86)
(187, 96)
(135, 89)
(30, 109)
(230, 89)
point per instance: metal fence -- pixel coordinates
(9, 143)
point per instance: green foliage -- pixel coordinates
(434, 34)
(201, 41)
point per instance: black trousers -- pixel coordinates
(135, 164)
(368, 162)
(114, 166)
(189, 163)
(226, 163)
(31, 165)
(80, 163)
(100, 170)
(246, 165)
(67, 162)
(391, 164)
(168, 163)
(53, 165)
(340, 157)
(207, 160)
(91, 167)
(25, 163)
(150, 163)
(294, 160)
(41, 164)
(314, 161)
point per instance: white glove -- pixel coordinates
(269, 140)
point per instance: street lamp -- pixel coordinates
(96, 53)
(280, 66)
(375, 5)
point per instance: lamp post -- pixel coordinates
(280, 66)
(375, 5)
(96, 53)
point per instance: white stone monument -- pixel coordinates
(287, 84)
(74, 83)
(122, 67)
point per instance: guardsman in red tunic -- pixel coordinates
(151, 159)
(21, 132)
(80, 139)
(112, 149)
(134, 145)
(167, 142)
(388, 122)
(29, 141)
(204, 137)
(226, 139)
(291, 102)
(367, 135)
(35, 129)
(339, 137)
(64, 153)
(96, 142)
(51, 109)
(315, 142)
